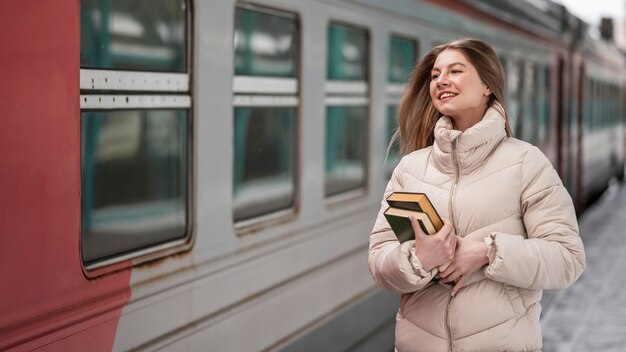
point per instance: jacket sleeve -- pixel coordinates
(553, 255)
(394, 266)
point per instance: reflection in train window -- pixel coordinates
(346, 136)
(265, 43)
(135, 130)
(347, 53)
(264, 163)
(134, 180)
(530, 110)
(392, 157)
(265, 114)
(143, 35)
(347, 107)
(514, 96)
(402, 54)
(543, 132)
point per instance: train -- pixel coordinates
(204, 175)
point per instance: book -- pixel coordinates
(404, 204)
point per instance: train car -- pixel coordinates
(197, 175)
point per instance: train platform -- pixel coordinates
(590, 315)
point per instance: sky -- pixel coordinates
(592, 10)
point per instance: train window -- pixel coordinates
(595, 111)
(514, 94)
(122, 34)
(503, 63)
(543, 131)
(345, 152)
(264, 170)
(392, 158)
(529, 119)
(587, 99)
(401, 58)
(265, 43)
(346, 110)
(265, 113)
(134, 180)
(135, 130)
(347, 53)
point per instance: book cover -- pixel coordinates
(418, 202)
(399, 221)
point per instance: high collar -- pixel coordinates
(474, 146)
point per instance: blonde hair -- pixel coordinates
(417, 114)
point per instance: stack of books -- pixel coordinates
(404, 204)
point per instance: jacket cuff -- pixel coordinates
(408, 248)
(490, 241)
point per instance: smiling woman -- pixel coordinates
(509, 231)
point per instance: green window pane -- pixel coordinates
(347, 53)
(402, 54)
(134, 180)
(346, 136)
(265, 44)
(513, 96)
(531, 114)
(143, 35)
(264, 161)
(394, 151)
(544, 108)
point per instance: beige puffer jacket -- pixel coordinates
(495, 189)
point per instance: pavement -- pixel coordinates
(590, 315)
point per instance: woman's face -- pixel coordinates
(456, 89)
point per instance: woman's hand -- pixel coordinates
(469, 257)
(435, 250)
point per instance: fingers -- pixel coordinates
(443, 267)
(458, 285)
(446, 229)
(416, 227)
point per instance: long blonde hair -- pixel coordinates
(417, 114)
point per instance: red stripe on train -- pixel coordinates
(46, 301)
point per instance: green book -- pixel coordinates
(404, 204)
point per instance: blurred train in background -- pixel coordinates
(204, 175)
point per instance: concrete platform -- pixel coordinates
(591, 314)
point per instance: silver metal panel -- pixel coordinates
(345, 87)
(133, 81)
(262, 100)
(346, 101)
(95, 101)
(395, 89)
(265, 85)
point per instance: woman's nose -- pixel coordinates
(442, 80)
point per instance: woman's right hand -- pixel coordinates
(434, 250)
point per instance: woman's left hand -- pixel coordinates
(468, 257)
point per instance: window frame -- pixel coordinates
(347, 93)
(393, 96)
(112, 89)
(251, 91)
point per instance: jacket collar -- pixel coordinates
(474, 146)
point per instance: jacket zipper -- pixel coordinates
(455, 162)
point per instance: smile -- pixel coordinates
(445, 95)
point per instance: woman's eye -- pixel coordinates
(434, 77)
(456, 71)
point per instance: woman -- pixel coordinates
(509, 232)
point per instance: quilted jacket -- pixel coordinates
(496, 189)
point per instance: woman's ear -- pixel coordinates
(487, 91)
